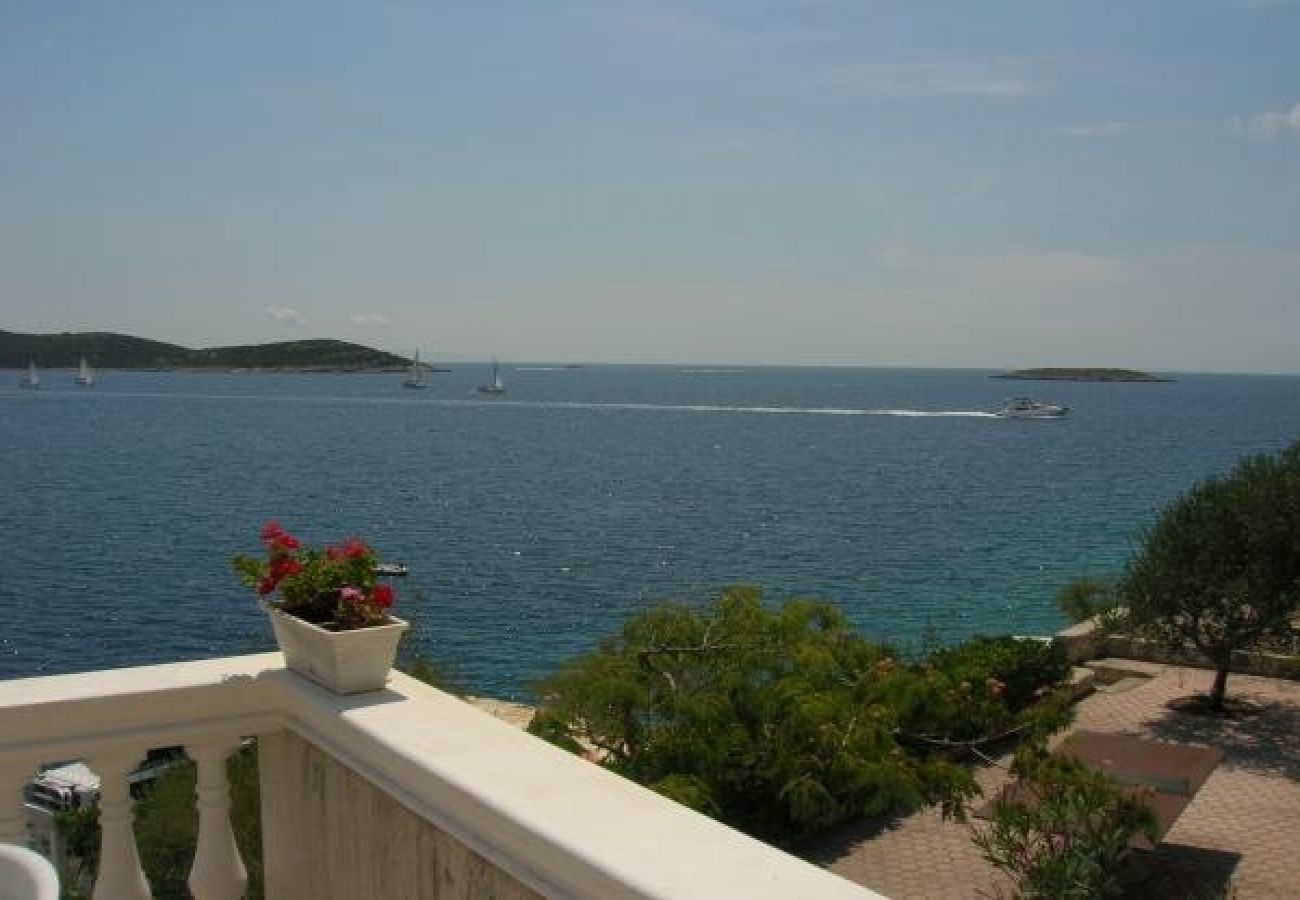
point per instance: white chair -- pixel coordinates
(25, 875)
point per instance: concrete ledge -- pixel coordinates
(1083, 681)
(1082, 642)
(558, 824)
(1088, 640)
(63, 716)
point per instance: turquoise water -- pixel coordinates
(535, 523)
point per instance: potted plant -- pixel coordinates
(331, 618)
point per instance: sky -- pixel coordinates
(811, 182)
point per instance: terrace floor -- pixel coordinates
(1240, 837)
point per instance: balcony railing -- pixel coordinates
(405, 792)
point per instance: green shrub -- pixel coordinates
(1068, 843)
(1086, 598)
(774, 721)
(783, 721)
(1025, 667)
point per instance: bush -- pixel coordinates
(1086, 598)
(1070, 841)
(779, 722)
(1025, 667)
(982, 689)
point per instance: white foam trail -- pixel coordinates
(402, 400)
(714, 408)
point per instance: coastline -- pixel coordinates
(516, 714)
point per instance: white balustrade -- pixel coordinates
(120, 875)
(218, 872)
(427, 769)
(110, 718)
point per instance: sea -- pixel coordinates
(533, 524)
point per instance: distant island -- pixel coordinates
(105, 350)
(1080, 375)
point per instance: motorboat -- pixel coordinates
(1027, 408)
(391, 570)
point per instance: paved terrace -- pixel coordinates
(1242, 830)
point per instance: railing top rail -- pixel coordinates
(106, 683)
(562, 825)
(52, 716)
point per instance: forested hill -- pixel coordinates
(105, 350)
(316, 354)
(1080, 375)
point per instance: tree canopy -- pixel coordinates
(1220, 569)
(784, 721)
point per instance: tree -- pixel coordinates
(779, 722)
(1220, 569)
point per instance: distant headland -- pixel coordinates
(105, 350)
(1080, 375)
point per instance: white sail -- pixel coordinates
(85, 376)
(31, 379)
(495, 385)
(415, 376)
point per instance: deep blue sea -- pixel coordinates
(535, 523)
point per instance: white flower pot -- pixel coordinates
(346, 662)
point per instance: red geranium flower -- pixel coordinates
(334, 585)
(284, 566)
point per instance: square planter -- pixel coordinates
(346, 662)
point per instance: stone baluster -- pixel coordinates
(218, 872)
(120, 875)
(13, 818)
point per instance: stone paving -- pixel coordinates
(1239, 838)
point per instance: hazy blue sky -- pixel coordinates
(807, 181)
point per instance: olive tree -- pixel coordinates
(1220, 568)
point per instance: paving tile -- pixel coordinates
(1243, 827)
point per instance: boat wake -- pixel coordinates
(753, 410)
(564, 404)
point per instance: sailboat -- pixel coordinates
(31, 379)
(495, 385)
(415, 378)
(85, 377)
